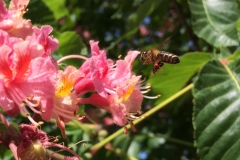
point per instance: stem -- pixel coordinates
(147, 114)
(185, 24)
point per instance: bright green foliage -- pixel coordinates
(69, 42)
(216, 113)
(174, 77)
(57, 7)
(215, 21)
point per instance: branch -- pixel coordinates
(193, 37)
(97, 146)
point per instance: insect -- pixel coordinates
(158, 58)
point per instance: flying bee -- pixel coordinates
(158, 58)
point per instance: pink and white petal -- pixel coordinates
(134, 102)
(25, 52)
(120, 75)
(41, 80)
(49, 43)
(21, 28)
(7, 104)
(18, 4)
(84, 85)
(131, 56)
(3, 10)
(43, 71)
(6, 24)
(94, 48)
(47, 108)
(5, 70)
(97, 100)
(118, 112)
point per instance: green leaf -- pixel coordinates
(238, 28)
(36, 14)
(57, 7)
(235, 55)
(69, 43)
(215, 21)
(134, 149)
(173, 77)
(216, 111)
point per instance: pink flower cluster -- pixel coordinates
(27, 71)
(31, 82)
(115, 87)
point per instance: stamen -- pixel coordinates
(142, 81)
(32, 120)
(31, 102)
(152, 97)
(131, 116)
(80, 117)
(32, 105)
(69, 115)
(145, 87)
(40, 123)
(145, 91)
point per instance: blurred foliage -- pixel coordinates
(208, 27)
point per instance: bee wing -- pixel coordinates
(166, 41)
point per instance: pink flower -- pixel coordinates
(123, 105)
(65, 103)
(101, 74)
(11, 20)
(49, 43)
(118, 90)
(26, 79)
(127, 102)
(95, 70)
(121, 71)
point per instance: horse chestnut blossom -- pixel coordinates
(26, 77)
(12, 20)
(65, 102)
(31, 82)
(118, 90)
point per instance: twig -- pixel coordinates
(184, 23)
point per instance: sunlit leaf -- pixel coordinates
(36, 15)
(70, 43)
(57, 7)
(134, 149)
(215, 21)
(238, 28)
(173, 77)
(216, 112)
(235, 55)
